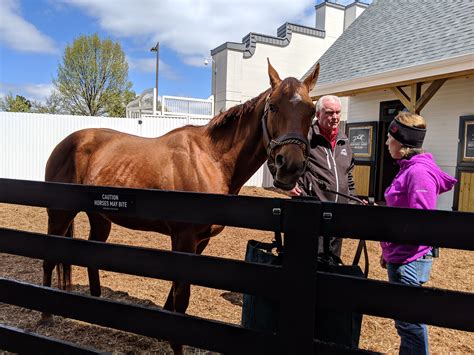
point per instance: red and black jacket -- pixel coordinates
(328, 169)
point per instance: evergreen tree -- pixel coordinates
(17, 104)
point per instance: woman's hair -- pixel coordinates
(412, 120)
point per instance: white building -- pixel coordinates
(414, 55)
(240, 69)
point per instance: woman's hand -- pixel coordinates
(383, 263)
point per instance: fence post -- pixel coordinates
(296, 323)
(155, 101)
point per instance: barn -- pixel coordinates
(407, 55)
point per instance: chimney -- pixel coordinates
(353, 11)
(330, 18)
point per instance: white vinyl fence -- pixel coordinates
(27, 139)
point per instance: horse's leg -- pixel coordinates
(169, 300)
(59, 223)
(178, 298)
(199, 249)
(64, 270)
(100, 230)
(202, 245)
(169, 304)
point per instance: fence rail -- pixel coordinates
(290, 284)
(18, 340)
(160, 264)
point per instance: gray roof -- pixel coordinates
(395, 34)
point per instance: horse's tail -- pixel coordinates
(64, 270)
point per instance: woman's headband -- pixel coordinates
(408, 136)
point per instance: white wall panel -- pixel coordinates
(27, 139)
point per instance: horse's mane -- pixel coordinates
(232, 114)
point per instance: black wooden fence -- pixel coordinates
(292, 284)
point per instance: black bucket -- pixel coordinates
(261, 313)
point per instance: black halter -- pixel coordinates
(289, 138)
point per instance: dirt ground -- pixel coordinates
(452, 270)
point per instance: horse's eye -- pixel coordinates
(272, 108)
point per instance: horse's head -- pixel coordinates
(289, 111)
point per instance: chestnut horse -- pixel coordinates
(216, 158)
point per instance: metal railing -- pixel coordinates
(169, 105)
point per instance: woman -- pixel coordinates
(417, 185)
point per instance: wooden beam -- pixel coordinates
(429, 93)
(413, 93)
(463, 73)
(402, 96)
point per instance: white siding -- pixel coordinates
(27, 140)
(454, 99)
(245, 78)
(366, 107)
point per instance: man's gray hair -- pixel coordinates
(319, 104)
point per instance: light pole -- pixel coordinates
(214, 74)
(157, 50)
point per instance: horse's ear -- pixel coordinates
(274, 77)
(311, 79)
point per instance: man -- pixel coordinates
(330, 162)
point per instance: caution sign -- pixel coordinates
(113, 202)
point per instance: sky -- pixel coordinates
(34, 34)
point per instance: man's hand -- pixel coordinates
(295, 191)
(383, 263)
(370, 202)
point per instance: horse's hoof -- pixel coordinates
(177, 349)
(45, 321)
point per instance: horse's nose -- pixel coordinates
(290, 165)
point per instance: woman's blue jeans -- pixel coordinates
(413, 336)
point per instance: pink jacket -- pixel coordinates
(417, 185)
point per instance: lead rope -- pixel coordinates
(277, 218)
(362, 246)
